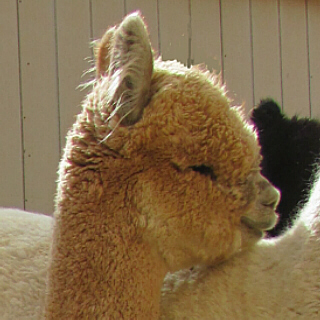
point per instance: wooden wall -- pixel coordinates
(262, 47)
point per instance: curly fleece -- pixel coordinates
(25, 240)
(134, 205)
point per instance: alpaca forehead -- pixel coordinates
(191, 102)
(193, 127)
(190, 95)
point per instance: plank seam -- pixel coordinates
(91, 20)
(159, 32)
(21, 109)
(221, 44)
(189, 60)
(280, 52)
(252, 55)
(57, 72)
(308, 51)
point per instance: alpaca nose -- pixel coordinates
(270, 196)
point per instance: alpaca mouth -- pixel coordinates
(253, 229)
(262, 225)
(250, 233)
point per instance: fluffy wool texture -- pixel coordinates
(278, 279)
(290, 148)
(24, 247)
(159, 173)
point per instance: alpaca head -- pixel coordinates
(266, 114)
(290, 149)
(166, 140)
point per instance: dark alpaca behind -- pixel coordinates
(290, 148)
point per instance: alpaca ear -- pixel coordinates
(270, 107)
(102, 51)
(125, 54)
(267, 113)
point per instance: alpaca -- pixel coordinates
(159, 173)
(24, 251)
(24, 245)
(277, 279)
(290, 148)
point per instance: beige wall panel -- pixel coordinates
(266, 50)
(105, 14)
(236, 51)
(42, 67)
(74, 55)
(206, 33)
(295, 77)
(173, 23)
(11, 161)
(39, 103)
(149, 10)
(314, 55)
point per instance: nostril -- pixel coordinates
(271, 204)
(272, 199)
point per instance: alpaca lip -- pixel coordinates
(253, 232)
(253, 226)
(260, 225)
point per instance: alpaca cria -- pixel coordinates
(159, 173)
(290, 148)
(277, 279)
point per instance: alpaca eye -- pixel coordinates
(204, 170)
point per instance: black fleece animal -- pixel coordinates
(290, 148)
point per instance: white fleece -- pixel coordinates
(24, 241)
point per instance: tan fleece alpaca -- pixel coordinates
(157, 173)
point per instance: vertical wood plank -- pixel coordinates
(205, 36)
(174, 20)
(237, 52)
(314, 55)
(266, 50)
(149, 11)
(295, 76)
(73, 37)
(45, 85)
(39, 103)
(11, 161)
(106, 14)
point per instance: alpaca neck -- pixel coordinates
(136, 285)
(101, 274)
